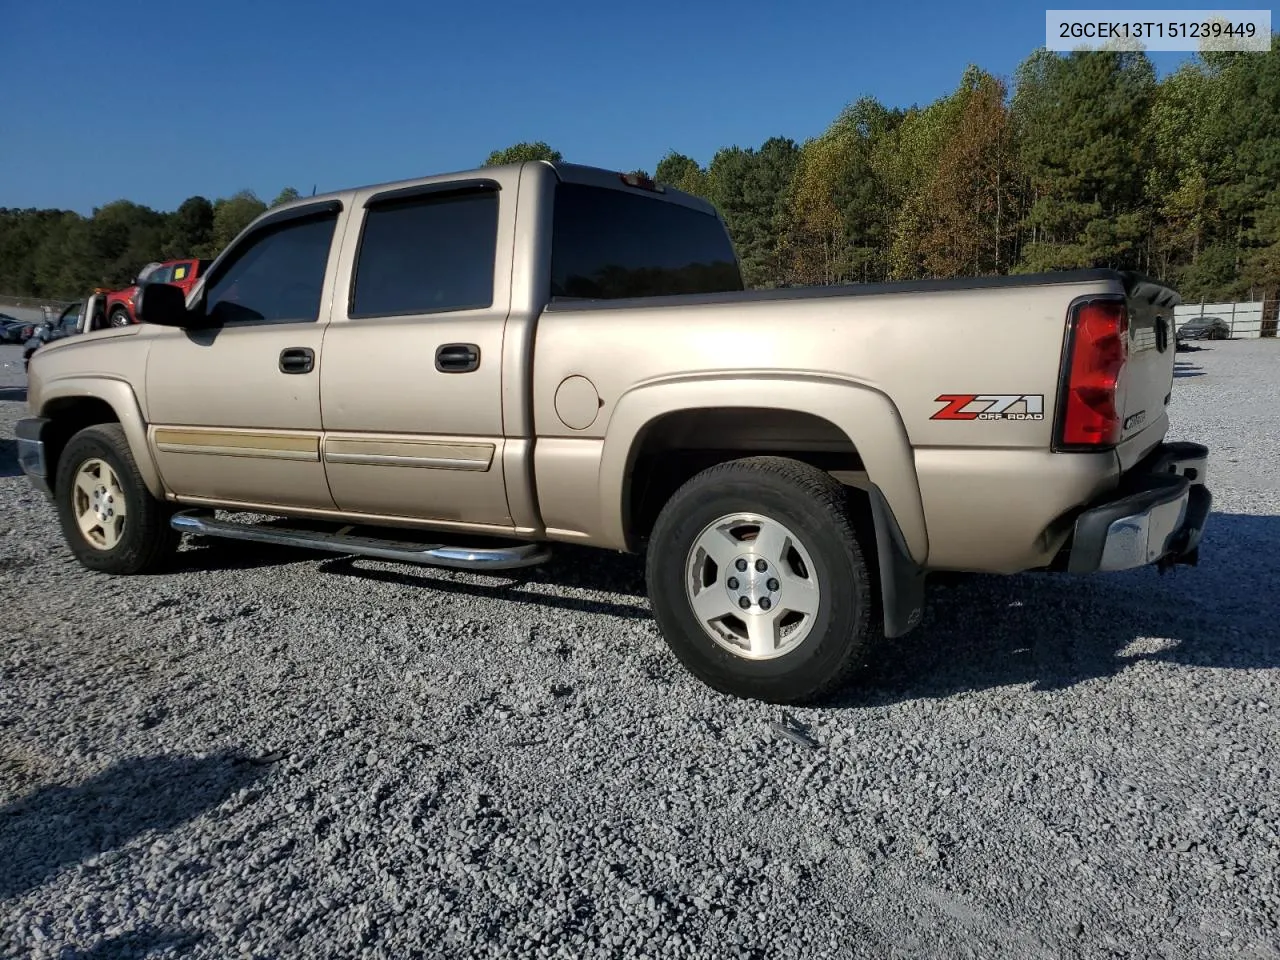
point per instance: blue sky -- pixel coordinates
(141, 100)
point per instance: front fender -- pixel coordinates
(866, 416)
(118, 395)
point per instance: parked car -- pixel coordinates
(791, 463)
(181, 273)
(68, 324)
(1204, 328)
(11, 329)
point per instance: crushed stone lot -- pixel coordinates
(273, 753)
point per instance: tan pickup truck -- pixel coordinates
(502, 359)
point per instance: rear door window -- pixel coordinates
(431, 253)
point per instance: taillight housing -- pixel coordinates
(1089, 416)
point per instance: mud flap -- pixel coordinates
(901, 578)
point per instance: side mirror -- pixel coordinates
(164, 305)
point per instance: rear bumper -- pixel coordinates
(1157, 515)
(29, 433)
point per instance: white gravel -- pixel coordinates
(278, 754)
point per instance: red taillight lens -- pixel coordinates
(1099, 348)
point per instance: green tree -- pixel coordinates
(520, 152)
(683, 173)
(905, 161)
(230, 216)
(1245, 170)
(1177, 182)
(122, 237)
(749, 187)
(815, 246)
(968, 218)
(1081, 122)
(287, 195)
(190, 228)
(837, 220)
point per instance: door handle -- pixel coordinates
(457, 358)
(297, 360)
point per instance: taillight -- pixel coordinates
(1098, 348)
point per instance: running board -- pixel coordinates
(433, 555)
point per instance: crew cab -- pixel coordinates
(467, 369)
(183, 274)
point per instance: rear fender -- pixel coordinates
(867, 417)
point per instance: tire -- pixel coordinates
(797, 643)
(119, 318)
(97, 462)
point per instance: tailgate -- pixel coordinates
(1147, 378)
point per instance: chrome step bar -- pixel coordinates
(201, 524)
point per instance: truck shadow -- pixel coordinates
(55, 827)
(616, 574)
(9, 458)
(212, 553)
(146, 941)
(1053, 631)
(1184, 368)
(1050, 631)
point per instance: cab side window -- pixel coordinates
(276, 275)
(427, 254)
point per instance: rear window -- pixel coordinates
(608, 244)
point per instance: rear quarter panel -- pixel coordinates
(969, 494)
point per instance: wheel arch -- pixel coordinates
(853, 426)
(70, 405)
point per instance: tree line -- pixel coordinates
(1083, 160)
(60, 254)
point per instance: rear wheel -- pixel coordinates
(758, 581)
(109, 519)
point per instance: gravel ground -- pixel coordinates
(280, 754)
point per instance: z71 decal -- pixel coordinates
(990, 406)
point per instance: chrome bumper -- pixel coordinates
(29, 433)
(1157, 516)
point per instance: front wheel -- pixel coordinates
(119, 317)
(758, 581)
(109, 519)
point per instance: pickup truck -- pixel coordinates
(466, 369)
(181, 273)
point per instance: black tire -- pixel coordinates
(814, 507)
(119, 318)
(146, 541)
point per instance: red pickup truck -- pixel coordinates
(180, 273)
